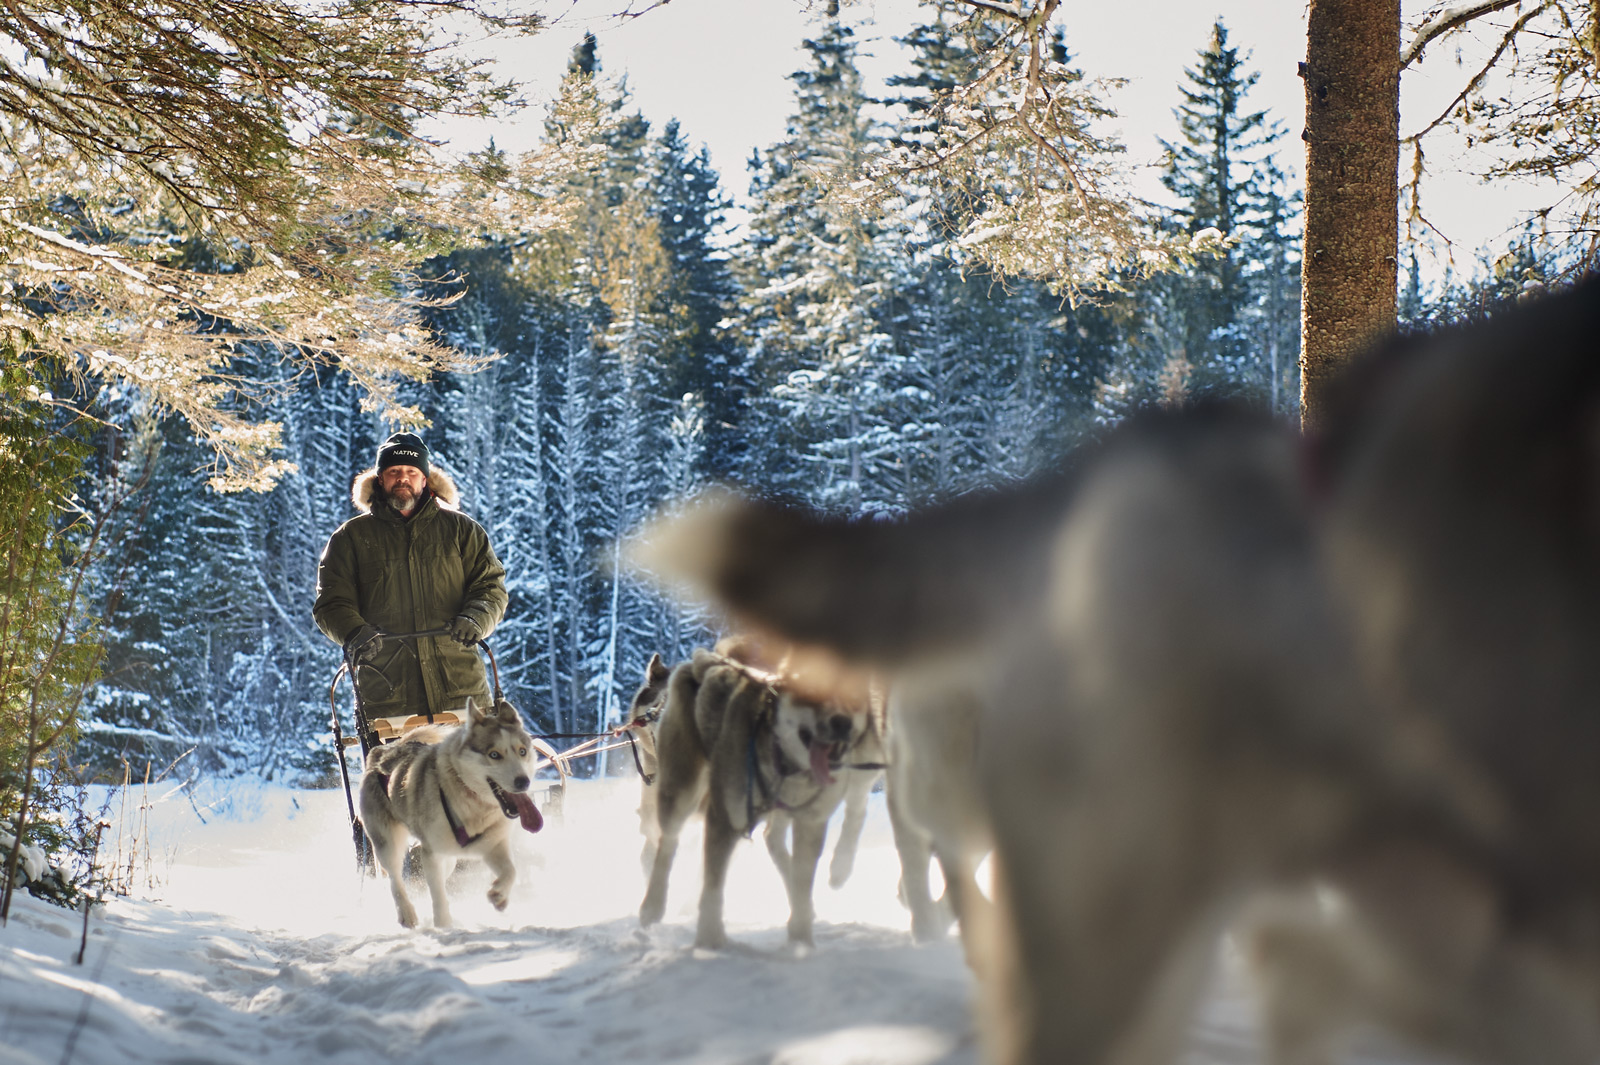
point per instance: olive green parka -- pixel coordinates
(405, 575)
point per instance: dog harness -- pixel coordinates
(455, 825)
(770, 792)
(644, 720)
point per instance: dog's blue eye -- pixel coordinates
(522, 752)
(495, 755)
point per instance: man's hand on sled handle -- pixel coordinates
(363, 644)
(464, 630)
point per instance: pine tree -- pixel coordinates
(1000, 375)
(817, 284)
(50, 649)
(1226, 313)
(699, 355)
(209, 646)
(626, 307)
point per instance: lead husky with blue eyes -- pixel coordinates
(455, 789)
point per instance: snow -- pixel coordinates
(30, 858)
(253, 939)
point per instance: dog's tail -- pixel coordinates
(879, 591)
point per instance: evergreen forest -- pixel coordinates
(644, 348)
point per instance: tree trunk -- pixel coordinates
(1352, 135)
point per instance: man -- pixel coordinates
(410, 562)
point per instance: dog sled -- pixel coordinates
(372, 731)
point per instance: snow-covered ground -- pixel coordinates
(258, 942)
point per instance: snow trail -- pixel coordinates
(259, 943)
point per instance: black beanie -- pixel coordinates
(403, 449)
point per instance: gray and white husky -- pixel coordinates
(643, 714)
(456, 789)
(735, 742)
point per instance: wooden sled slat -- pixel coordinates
(389, 729)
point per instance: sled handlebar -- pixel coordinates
(494, 667)
(413, 635)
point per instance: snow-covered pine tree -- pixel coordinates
(631, 275)
(210, 648)
(524, 533)
(153, 699)
(611, 438)
(1000, 375)
(574, 487)
(818, 278)
(1227, 312)
(698, 354)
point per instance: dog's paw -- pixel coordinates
(839, 872)
(650, 912)
(408, 917)
(711, 939)
(802, 950)
(800, 932)
(499, 896)
(928, 928)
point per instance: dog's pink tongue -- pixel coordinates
(532, 819)
(819, 764)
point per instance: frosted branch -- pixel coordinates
(1447, 18)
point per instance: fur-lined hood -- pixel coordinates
(364, 491)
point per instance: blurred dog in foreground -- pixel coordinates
(931, 740)
(1346, 704)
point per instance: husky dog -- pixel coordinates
(866, 758)
(644, 712)
(1358, 707)
(737, 743)
(935, 808)
(455, 789)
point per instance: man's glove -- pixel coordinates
(363, 644)
(464, 630)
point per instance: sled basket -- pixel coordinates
(389, 729)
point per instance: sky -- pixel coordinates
(250, 939)
(721, 67)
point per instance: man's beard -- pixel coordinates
(406, 505)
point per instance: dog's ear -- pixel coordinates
(507, 714)
(656, 672)
(472, 711)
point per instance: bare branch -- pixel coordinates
(629, 13)
(1506, 41)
